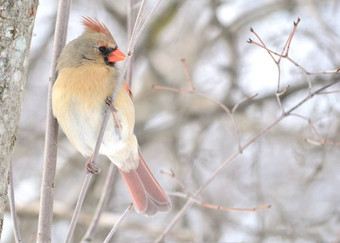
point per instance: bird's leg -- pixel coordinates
(109, 103)
(91, 166)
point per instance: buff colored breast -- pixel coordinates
(78, 103)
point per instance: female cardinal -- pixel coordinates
(86, 78)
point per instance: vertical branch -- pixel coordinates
(11, 199)
(101, 205)
(142, 27)
(286, 47)
(50, 156)
(129, 34)
(187, 75)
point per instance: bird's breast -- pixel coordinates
(78, 102)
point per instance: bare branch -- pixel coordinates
(51, 135)
(286, 47)
(115, 227)
(188, 195)
(290, 38)
(321, 141)
(11, 199)
(101, 205)
(130, 21)
(187, 75)
(234, 120)
(171, 174)
(78, 207)
(217, 207)
(250, 41)
(172, 89)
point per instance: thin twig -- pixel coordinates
(223, 107)
(78, 208)
(289, 41)
(318, 91)
(135, 29)
(216, 207)
(101, 205)
(234, 120)
(11, 199)
(286, 47)
(146, 21)
(321, 141)
(115, 227)
(51, 135)
(282, 55)
(284, 90)
(263, 45)
(277, 63)
(188, 195)
(130, 21)
(330, 92)
(160, 87)
(187, 75)
(335, 71)
(292, 35)
(172, 175)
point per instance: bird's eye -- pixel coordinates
(102, 49)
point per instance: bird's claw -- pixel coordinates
(92, 168)
(109, 103)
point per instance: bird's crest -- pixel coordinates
(96, 26)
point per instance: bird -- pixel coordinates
(87, 76)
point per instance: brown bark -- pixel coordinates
(16, 27)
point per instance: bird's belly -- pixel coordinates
(82, 124)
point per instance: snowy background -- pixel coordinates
(192, 136)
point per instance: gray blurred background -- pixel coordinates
(192, 136)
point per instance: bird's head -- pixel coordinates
(95, 45)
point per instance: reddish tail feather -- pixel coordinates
(147, 195)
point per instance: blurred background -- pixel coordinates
(192, 136)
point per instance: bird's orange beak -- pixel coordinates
(116, 56)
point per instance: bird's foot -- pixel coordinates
(91, 167)
(109, 102)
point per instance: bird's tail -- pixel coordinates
(147, 195)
